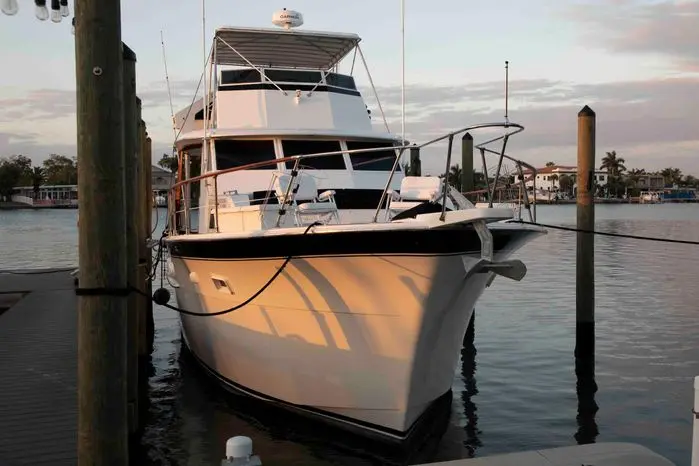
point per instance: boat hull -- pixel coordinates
(370, 340)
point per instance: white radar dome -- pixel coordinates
(287, 18)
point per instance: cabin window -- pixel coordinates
(291, 76)
(240, 77)
(238, 152)
(340, 80)
(376, 161)
(305, 147)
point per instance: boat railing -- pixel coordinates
(522, 196)
(181, 189)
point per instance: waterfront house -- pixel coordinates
(549, 178)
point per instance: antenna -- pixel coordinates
(402, 77)
(507, 85)
(205, 97)
(167, 80)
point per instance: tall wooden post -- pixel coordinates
(586, 387)
(585, 263)
(467, 163)
(148, 163)
(143, 252)
(130, 176)
(415, 164)
(102, 371)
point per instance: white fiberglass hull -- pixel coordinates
(371, 340)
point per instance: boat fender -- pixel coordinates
(161, 296)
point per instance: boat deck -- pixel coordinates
(38, 369)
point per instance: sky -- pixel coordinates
(634, 62)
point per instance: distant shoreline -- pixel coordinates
(20, 206)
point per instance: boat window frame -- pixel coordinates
(399, 169)
(305, 138)
(275, 148)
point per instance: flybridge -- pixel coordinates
(282, 48)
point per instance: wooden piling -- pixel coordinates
(143, 232)
(130, 176)
(585, 260)
(102, 302)
(150, 324)
(467, 163)
(415, 164)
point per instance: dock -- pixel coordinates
(38, 368)
(600, 454)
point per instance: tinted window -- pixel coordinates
(240, 76)
(378, 161)
(340, 80)
(293, 76)
(235, 153)
(330, 162)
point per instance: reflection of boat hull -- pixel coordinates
(368, 339)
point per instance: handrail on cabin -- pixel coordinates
(398, 149)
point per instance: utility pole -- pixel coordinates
(102, 303)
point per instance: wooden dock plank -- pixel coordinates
(38, 375)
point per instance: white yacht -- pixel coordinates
(352, 284)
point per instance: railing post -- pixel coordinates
(497, 172)
(485, 172)
(388, 183)
(187, 193)
(446, 179)
(294, 173)
(216, 202)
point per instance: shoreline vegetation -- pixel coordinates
(623, 186)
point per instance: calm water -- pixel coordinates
(516, 387)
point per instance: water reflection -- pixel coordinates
(527, 395)
(468, 372)
(586, 388)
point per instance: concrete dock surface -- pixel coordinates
(596, 454)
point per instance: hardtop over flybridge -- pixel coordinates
(328, 281)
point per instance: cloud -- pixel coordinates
(636, 117)
(667, 28)
(41, 104)
(650, 122)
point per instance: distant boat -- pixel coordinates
(160, 201)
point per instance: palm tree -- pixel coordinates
(565, 183)
(690, 181)
(454, 177)
(550, 164)
(38, 178)
(615, 167)
(672, 175)
(553, 179)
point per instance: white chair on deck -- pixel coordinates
(317, 207)
(415, 190)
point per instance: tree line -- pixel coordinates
(620, 179)
(18, 170)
